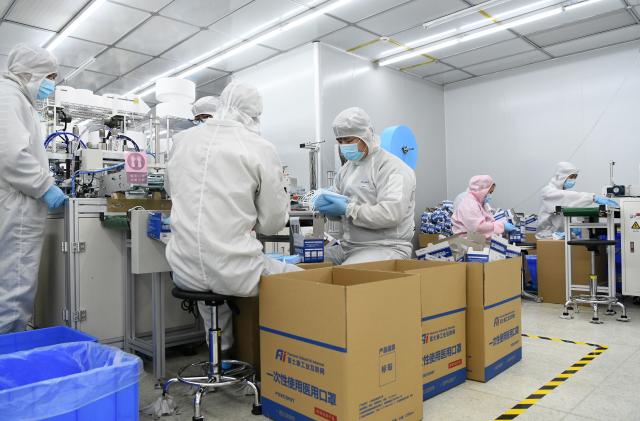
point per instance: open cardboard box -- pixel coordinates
(341, 344)
(443, 301)
(246, 329)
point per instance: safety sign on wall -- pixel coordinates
(135, 165)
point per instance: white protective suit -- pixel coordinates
(225, 181)
(379, 223)
(205, 105)
(554, 195)
(24, 178)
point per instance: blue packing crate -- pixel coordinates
(76, 381)
(22, 341)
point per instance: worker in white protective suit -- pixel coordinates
(558, 193)
(204, 108)
(373, 195)
(225, 181)
(26, 187)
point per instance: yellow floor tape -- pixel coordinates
(550, 386)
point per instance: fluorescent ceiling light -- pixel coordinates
(74, 25)
(494, 29)
(418, 52)
(463, 13)
(581, 4)
(77, 71)
(506, 15)
(239, 48)
(504, 26)
(420, 41)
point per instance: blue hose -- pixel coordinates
(77, 173)
(53, 135)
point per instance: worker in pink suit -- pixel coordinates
(471, 213)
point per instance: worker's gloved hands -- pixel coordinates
(54, 197)
(558, 235)
(509, 227)
(576, 232)
(605, 201)
(336, 205)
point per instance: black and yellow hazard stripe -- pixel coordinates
(522, 406)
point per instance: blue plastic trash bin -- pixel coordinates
(76, 381)
(532, 264)
(30, 339)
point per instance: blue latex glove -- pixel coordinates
(607, 202)
(320, 200)
(337, 205)
(577, 232)
(560, 235)
(509, 227)
(54, 197)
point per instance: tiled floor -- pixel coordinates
(606, 389)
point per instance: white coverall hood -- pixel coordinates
(564, 170)
(242, 103)
(553, 194)
(28, 65)
(356, 122)
(205, 105)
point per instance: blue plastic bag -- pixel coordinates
(47, 382)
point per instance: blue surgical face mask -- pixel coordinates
(488, 198)
(47, 86)
(569, 184)
(351, 152)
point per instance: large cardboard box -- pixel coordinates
(340, 344)
(443, 292)
(246, 329)
(551, 269)
(494, 321)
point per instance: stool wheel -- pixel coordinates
(256, 410)
(197, 419)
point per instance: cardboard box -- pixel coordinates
(425, 239)
(493, 318)
(246, 332)
(443, 294)
(246, 328)
(340, 344)
(551, 269)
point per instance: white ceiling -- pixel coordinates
(135, 40)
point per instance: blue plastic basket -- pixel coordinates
(22, 341)
(77, 381)
(532, 263)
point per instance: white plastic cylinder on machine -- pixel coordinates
(174, 109)
(173, 89)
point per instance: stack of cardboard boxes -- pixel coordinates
(371, 341)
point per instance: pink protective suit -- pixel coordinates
(471, 215)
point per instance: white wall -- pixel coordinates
(390, 98)
(516, 125)
(286, 83)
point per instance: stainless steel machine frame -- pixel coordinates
(593, 299)
(147, 257)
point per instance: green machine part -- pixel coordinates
(116, 222)
(586, 212)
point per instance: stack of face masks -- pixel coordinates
(438, 220)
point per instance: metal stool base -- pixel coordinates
(571, 306)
